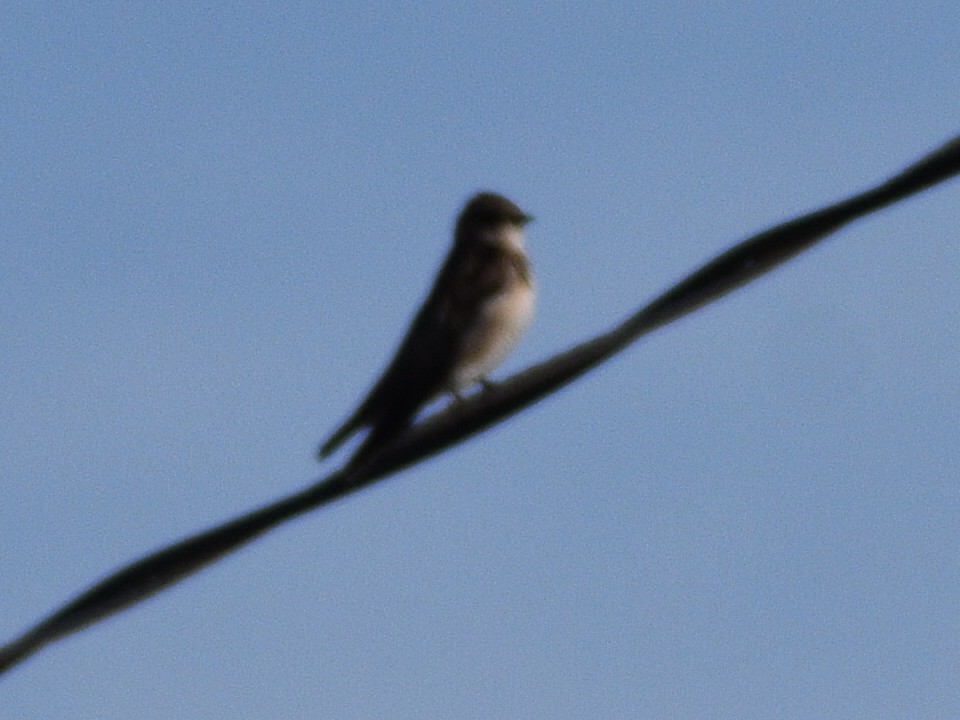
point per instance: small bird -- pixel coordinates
(479, 306)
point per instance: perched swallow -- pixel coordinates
(479, 306)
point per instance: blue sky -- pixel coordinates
(216, 225)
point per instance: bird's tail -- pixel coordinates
(340, 436)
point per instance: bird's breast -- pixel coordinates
(501, 321)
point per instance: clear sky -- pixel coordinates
(215, 225)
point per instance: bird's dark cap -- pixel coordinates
(488, 208)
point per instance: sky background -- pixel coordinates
(215, 225)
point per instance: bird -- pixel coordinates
(480, 305)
